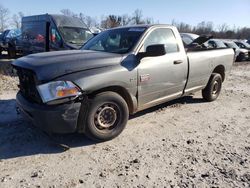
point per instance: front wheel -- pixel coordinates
(213, 88)
(107, 117)
(241, 57)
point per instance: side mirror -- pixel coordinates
(155, 50)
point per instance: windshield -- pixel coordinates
(14, 33)
(231, 45)
(246, 44)
(120, 40)
(75, 35)
(220, 44)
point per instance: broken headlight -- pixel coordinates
(54, 92)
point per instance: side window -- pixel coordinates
(241, 45)
(55, 38)
(14, 33)
(34, 32)
(10, 34)
(162, 36)
(212, 44)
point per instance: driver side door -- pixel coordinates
(161, 78)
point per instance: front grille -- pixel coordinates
(27, 85)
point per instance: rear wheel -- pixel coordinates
(107, 116)
(213, 88)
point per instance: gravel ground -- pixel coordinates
(8, 80)
(184, 143)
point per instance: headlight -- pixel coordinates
(54, 91)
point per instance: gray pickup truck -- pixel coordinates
(119, 72)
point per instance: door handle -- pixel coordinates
(178, 62)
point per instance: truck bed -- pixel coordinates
(201, 64)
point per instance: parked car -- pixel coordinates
(240, 54)
(95, 30)
(191, 40)
(119, 72)
(248, 41)
(1, 39)
(8, 41)
(244, 45)
(188, 38)
(48, 32)
(215, 43)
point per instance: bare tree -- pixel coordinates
(68, 12)
(126, 19)
(204, 28)
(243, 33)
(223, 27)
(17, 19)
(138, 17)
(182, 27)
(149, 21)
(88, 20)
(111, 21)
(4, 17)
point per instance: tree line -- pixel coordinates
(110, 21)
(223, 31)
(6, 20)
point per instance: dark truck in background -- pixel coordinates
(48, 32)
(118, 72)
(9, 41)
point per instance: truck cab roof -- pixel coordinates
(60, 20)
(145, 26)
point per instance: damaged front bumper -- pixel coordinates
(52, 119)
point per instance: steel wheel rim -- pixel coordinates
(106, 116)
(215, 88)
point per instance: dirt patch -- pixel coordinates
(184, 143)
(8, 83)
(8, 79)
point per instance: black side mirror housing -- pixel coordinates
(155, 50)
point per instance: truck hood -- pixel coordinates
(51, 65)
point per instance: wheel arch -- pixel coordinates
(130, 100)
(220, 69)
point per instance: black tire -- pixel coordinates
(213, 88)
(240, 57)
(107, 116)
